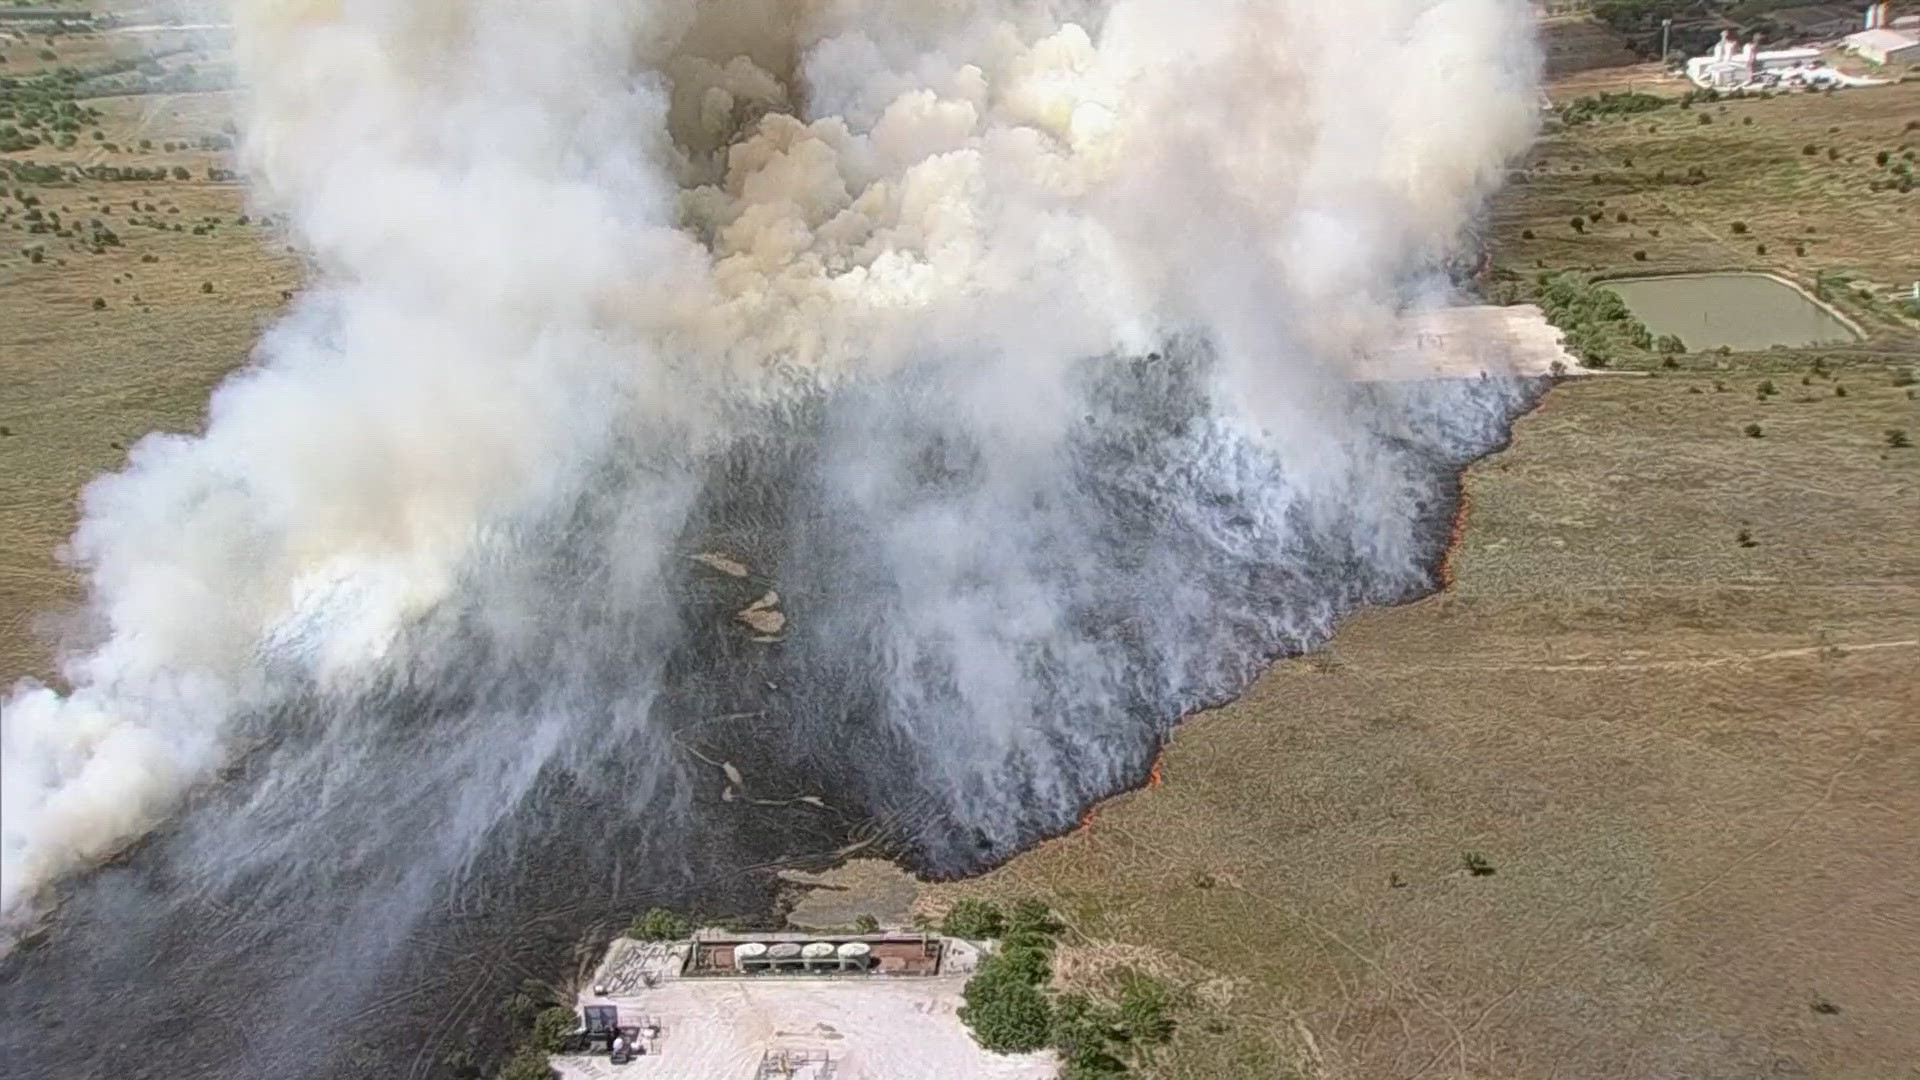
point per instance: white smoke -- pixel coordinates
(538, 229)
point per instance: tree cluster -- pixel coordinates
(1598, 326)
(1010, 1008)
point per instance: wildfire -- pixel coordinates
(1454, 534)
(1153, 781)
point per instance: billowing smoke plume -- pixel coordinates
(1038, 356)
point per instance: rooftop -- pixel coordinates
(1883, 38)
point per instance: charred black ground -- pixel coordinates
(388, 865)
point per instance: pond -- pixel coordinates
(1747, 312)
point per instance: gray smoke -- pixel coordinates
(1042, 356)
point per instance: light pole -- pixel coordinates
(1666, 36)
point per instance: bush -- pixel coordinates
(1093, 1065)
(1759, 249)
(974, 920)
(1903, 377)
(1024, 962)
(867, 924)
(1578, 224)
(659, 924)
(1006, 1014)
(1766, 389)
(1144, 1007)
(1586, 109)
(1640, 256)
(1476, 864)
(206, 286)
(552, 1028)
(1080, 1025)
(1839, 391)
(1754, 431)
(1526, 234)
(99, 303)
(1739, 228)
(1809, 150)
(527, 1065)
(1670, 345)
(180, 173)
(1897, 439)
(1031, 916)
(1082, 1030)
(1598, 326)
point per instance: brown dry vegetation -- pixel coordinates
(1690, 763)
(79, 386)
(1581, 54)
(1812, 212)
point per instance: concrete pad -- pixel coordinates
(717, 1028)
(1469, 342)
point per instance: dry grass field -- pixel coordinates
(103, 343)
(1690, 764)
(1580, 53)
(1803, 213)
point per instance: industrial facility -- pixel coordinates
(802, 954)
(785, 1006)
(1886, 45)
(1733, 66)
(1885, 40)
(1880, 38)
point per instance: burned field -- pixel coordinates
(393, 859)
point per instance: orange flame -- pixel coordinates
(1153, 781)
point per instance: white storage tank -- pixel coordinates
(747, 953)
